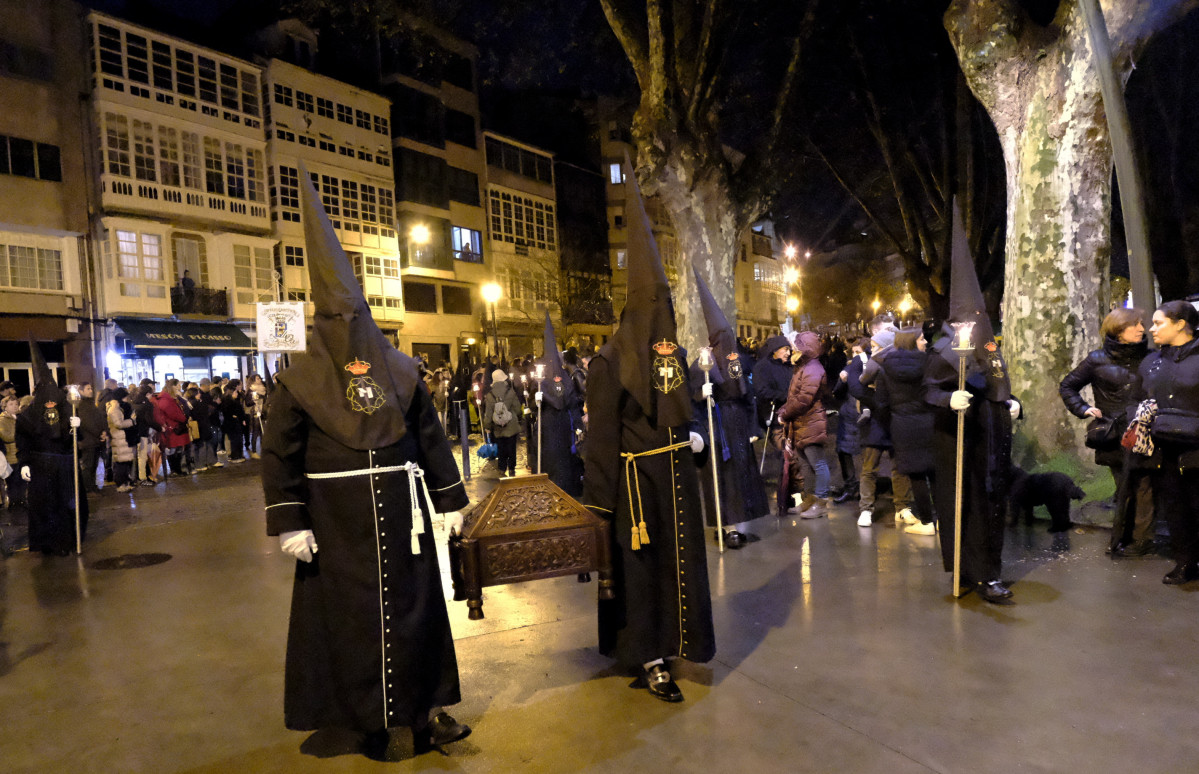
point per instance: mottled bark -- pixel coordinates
(1041, 88)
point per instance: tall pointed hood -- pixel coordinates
(49, 401)
(353, 383)
(645, 346)
(966, 304)
(557, 387)
(730, 376)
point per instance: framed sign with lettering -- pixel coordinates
(281, 327)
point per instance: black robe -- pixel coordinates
(369, 643)
(663, 604)
(742, 493)
(47, 450)
(559, 456)
(987, 462)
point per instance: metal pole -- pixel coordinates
(957, 491)
(1132, 200)
(539, 426)
(766, 446)
(463, 427)
(75, 448)
(715, 472)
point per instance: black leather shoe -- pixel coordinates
(846, 496)
(374, 745)
(442, 730)
(1183, 573)
(994, 592)
(733, 539)
(661, 685)
(1135, 550)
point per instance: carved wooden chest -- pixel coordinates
(527, 529)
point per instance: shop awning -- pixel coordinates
(174, 336)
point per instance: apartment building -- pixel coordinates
(44, 279)
(342, 136)
(522, 231)
(429, 77)
(183, 226)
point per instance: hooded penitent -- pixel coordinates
(49, 401)
(353, 383)
(966, 305)
(729, 375)
(646, 344)
(558, 389)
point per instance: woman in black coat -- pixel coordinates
(1117, 389)
(234, 422)
(909, 419)
(1171, 378)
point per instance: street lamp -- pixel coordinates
(792, 304)
(420, 234)
(789, 251)
(790, 275)
(491, 294)
(905, 306)
(875, 304)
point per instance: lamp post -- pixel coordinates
(491, 294)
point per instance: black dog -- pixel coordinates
(1053, 490)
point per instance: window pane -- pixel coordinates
(191, 160)
(143, 151)
(185, 72)
(249, 93)
(23, 265)
(207, 73)
(229, 88)
(49, 165)
(420, 297)
(235, 169)
(21, 157)
(137, 58)
(49, 269)
(213, 177)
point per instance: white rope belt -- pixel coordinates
(414, 474)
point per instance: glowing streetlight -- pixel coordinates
(875, 304)
(789, 251)
(807, 254)
(790, 275)
(491, 294)
(792, 304)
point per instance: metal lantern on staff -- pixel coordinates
(963, 346)
(538, 376)
(706, 364)
(74, 396)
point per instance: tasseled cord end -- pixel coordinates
(639, 536)
(418, 528)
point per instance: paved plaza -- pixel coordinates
(839, 649)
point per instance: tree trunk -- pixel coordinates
(1049, 113)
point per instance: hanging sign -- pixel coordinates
(281, 327)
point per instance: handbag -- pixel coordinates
(193, 429)
(1103, 433)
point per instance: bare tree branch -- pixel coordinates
(630, 38)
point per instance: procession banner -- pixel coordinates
(281, 327)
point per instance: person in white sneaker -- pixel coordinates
(909, 420)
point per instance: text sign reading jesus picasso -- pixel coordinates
(281, 327)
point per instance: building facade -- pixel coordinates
(182, 223)
(45, 282)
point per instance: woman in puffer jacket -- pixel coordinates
(1117, 389)
(1171, 378)
(909, 421)
(807, 427)
(122, 437)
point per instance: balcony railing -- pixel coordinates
(208, 301)
(762, 245)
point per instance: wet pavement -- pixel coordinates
(839, 649)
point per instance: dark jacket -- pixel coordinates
(143, 412)
(903, 412)
(233, 416)
(804, 409)
(1116, 385)
(93, 423)
(201, 412)
(771, 380)
(872, 431)
(1171, 377)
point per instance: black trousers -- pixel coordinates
(506, 459)
(1176, 495)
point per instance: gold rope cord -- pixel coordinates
(640, 534)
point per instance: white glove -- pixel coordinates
(959, 400)
(24, 472)
(538, 397)
(697, 443)
(753, 439)
(1013, 406)
(301, 544)
(706, 390)
(453, 522)
(76, 421)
